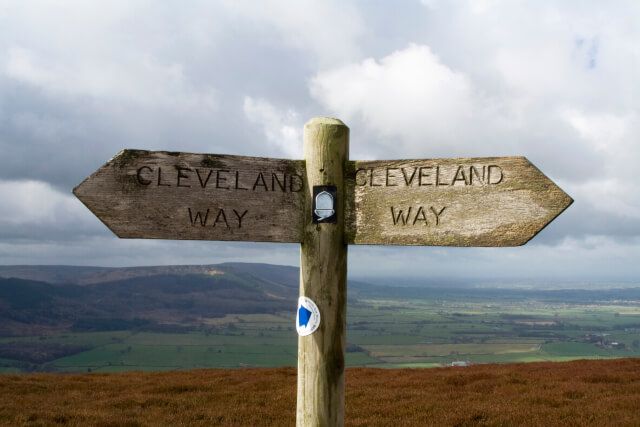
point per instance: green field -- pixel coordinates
(381, 332)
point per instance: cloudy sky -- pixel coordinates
(555, 81)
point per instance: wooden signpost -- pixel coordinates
(501, 201)
(160, 195)
(324, 202)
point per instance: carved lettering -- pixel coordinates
(198, 217)
(203, 184)
(499, 170)
(181, 175)
(389, 175)
(237, 187)
(436, 175)
(280, 181)
(474, 171)
(371, 183)
(240, 217)
(460, 176)
(282, 184)
(437, 214)
(438, 181)
(141, 180)
(222, 215)
(420, 216)
(295, 188)
(400, 217)
(220, 179)
(408, 180)
(160, 183)
(260, 182)
(361, 183)
(403, 217)
(422, 175)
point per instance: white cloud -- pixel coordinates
(606, 133)
(143, 81)
(614, 138)
(409, 95)
(546, 51)
(414, 104)
(325, 31)
(283, 129)
(32, 201)
(34, 210)
(97, 52)
(549, 80)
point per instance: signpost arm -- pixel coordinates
(323, 278)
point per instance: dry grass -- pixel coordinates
(536, 394)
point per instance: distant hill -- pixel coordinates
(37, 300)
(64, 274)
(52, 299)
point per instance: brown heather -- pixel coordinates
(536, 394)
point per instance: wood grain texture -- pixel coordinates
(166, 195)
(323, 278)
(439, 202)
(449, 202)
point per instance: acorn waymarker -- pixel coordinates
(324, 202)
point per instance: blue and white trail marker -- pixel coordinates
(307, 317)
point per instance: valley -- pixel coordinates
(240, 316)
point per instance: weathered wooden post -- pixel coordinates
(325, 203)
(323, 277)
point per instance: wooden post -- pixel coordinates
(497, 201)
(323, 279)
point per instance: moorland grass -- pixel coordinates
(584, 392)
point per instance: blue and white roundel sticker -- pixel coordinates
(307, 317)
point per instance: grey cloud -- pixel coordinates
(36, 232)
(582, 219)
(62, 137)
(111, 251)
(185, 72)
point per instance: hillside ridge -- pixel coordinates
(54, 299)
(82, 275)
